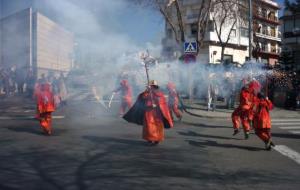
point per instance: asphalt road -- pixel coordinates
(94, 149)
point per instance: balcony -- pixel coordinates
(268, 35)
(265, 18)
(271, 3)
(272, 51)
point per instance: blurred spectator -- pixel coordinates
(20, 79)
(55, 91)
(212, 93)
(30, 80)
(62, 89)
(229, 90)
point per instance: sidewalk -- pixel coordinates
(200, 108)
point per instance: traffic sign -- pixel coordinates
(190, 47)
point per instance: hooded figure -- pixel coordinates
(262, 120)
(126, 93)
(173, 100)
(244, 112)
(45, 107)
(151, 111)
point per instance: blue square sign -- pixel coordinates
(190, 47)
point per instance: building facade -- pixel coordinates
(291, 37)
(31, 41)
(266, 34)
(266, 31)
(236, 50)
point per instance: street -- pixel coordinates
(92, 148)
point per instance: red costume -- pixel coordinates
(151, 111)
(244, 113)
(262, 120)
(45, 107)
(126, 93)
(173, 101)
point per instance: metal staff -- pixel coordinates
(148, 78)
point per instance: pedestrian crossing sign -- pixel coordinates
(190, 47)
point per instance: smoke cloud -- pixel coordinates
(109, 54)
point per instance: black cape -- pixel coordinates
(136, 113)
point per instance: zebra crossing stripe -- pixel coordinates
(286, 120)
(289, 127)
(26, 117)
(286, 151)
(295, 132)
(290, 124)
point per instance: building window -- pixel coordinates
(194, 29)
(273, 32)
(264, 47)
(265, 30)
(264, 13)
(272, 16)
(211, 26)
(169, 33)
(273, 48)
(244, 32)
(228, 59)
(233, 33)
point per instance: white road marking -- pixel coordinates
(290, 124)
(58, 117)
(26, 111)
(295, 132)
(286, 151)
(289, 127)
(26, 117)
(286, 120)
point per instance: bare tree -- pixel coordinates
(226, 15)
(172, 11)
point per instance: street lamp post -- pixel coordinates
(250, 29)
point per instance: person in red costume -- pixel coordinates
(173, 101)
(244, 112)
(262, 120)
(126, 93)
(45, 107)
(151, 111)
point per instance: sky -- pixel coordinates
(142, 25)
(139, 23)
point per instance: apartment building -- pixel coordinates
(291, 36)
(266, 34)
(266, 31)
(235, 51)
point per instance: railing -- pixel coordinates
(269, 33)
(273, 50)
(266, 17)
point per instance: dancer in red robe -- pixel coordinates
(262, 120)
(173, 101)
(45, 107)
(244, 112)
(151, 111)
(126, 93)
